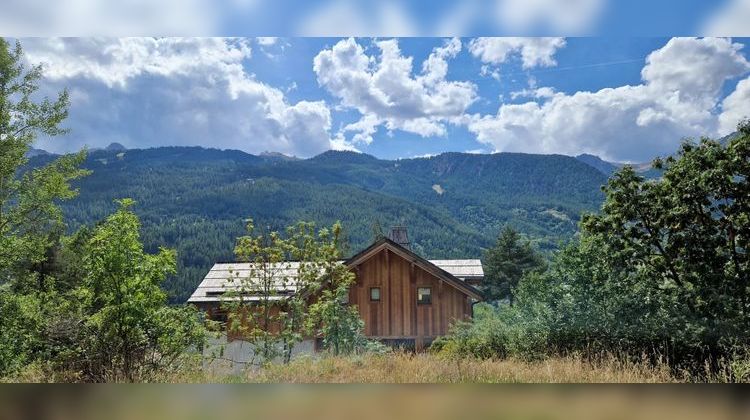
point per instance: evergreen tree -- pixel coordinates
(506, 263)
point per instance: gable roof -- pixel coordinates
(217, 280)
(430, 267)
(226, 277)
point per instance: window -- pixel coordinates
(424, 295)
(374, 294)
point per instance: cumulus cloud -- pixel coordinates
(534, 52)
(147, 92)
(735, 108)
(681, 88)
(266, 41)
(386, 92)
(730, 20)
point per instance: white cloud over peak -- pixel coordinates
(384, 90)
(146, 92)
(679, 95)
(534, 52)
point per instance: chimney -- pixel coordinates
(399, 236)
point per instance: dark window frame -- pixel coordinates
(380, 295)
(420, 302)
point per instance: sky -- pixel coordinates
(375, 17)
(625, 99)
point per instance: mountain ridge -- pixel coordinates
(196, 199)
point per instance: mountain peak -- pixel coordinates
(277, 156)
(601, 165)
(343, 156)
(115, 147)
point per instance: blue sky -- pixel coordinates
(623, 98)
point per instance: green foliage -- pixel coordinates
(497, 332)
(661, 271)
(28, 198)
(294, 285)
(130, 332)
(255, 303)
(681, 242)
(331, 317)
(20, 329)
(506, 263)
(30, 218)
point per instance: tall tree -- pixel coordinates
(686, 238)
(29, 214)
(131, 333)
(331, 316)
(294, 285)
(506, 263)
(28, 198)
(258, 296)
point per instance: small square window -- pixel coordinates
(424, 295)
(374, 294)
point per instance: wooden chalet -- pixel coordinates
(402, 297)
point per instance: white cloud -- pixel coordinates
(386, 92)
(115, 61)
(735, 108)
(149, 92)
(681, 88)
(266, 41)
(730, 20)
(534, 52)
(538, 93)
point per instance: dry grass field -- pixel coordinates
(428, 368)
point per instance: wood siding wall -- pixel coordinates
(397, 314)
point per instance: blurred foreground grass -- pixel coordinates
(404, 367)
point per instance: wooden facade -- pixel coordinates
(393, 275)
(398, 315)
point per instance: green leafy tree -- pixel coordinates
(331, 316)
(294, 285)
(131, 333)
(28, 198)
(685, 238)
(506, 263)
(30, 218)
(259, 297)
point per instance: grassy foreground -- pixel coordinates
(428, 368)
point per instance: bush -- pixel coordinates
(497, 332)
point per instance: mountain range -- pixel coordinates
(196, 199)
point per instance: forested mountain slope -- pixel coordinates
(454, 204)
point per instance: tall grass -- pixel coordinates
(403, 367)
